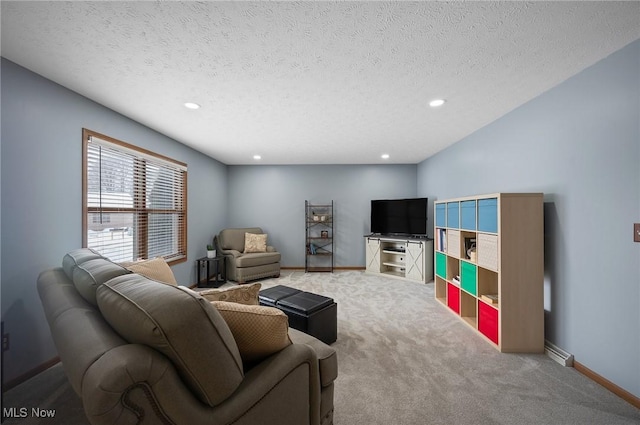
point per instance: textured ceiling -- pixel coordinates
(314, 82)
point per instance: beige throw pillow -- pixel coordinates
(259, 331)
(156, 269)
(254, 242)
(243, 294)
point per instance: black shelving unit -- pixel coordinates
(319, 237)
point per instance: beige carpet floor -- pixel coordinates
(404, 359)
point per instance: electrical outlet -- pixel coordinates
(636, 232)
(5, 342)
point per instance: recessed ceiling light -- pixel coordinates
(384, 156)
(436, 102)
(257, 157)
(191, 105)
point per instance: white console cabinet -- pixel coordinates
(404, 258)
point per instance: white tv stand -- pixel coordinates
(400, 257)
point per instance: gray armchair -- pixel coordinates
(243, 267)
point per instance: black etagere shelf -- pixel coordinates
(319, 237)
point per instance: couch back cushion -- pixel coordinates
(89, 275)
(180, 324)
(77, 257)
(234, 238)
(80, 333)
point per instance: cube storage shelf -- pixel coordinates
(489, 266)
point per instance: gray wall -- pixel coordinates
(579, 143)
(42, 201)
(272, 197)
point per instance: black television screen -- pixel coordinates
(399, 216)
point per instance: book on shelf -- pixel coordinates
(441, 240)
(490, 298)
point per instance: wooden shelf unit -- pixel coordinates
(507, 232)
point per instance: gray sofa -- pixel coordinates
(139, 351)
(243, 267)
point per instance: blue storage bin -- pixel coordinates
(468, 215)
(441, 215)
(488, 215)
(453, 215)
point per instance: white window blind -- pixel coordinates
(134, 202)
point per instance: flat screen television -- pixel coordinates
(399, 216)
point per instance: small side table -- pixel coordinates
(215, 275)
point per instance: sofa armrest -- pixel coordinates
(266, 378)
(120, 387)
(132, 382)
(231, 252)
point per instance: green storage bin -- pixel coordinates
(441, 265)
(468, 277)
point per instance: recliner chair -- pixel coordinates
(243, 267)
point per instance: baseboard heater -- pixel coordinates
(558, 354)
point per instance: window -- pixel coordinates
(134, 201)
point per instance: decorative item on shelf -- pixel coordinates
(324, 234)
(323, 217)
(490, 298)
(312, 249)
(470, 249)
(211, 252)
(471, 252)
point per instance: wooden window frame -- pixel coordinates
(139, 201)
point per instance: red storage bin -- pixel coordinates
(488, 321)
(453, 297)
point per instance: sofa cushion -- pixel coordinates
(156, 269)
(89, 275)
(257, 259)
(255, 242)
(242, 294)
(234, 238)
(76, 257)
(259, 331)
(180, 324)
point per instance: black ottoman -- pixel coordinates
(312, 314)
(271, 296)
